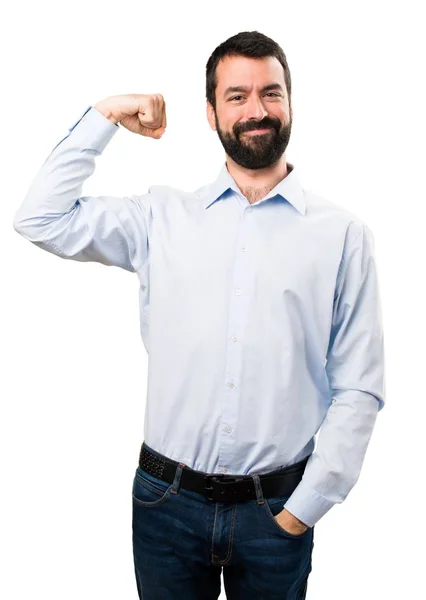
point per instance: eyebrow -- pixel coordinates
(243, 88)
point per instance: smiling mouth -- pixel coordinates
(258, 131)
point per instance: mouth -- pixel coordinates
(258, 131)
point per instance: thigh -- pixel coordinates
(170, 549)
(268, 563)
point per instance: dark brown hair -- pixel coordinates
(246, 43)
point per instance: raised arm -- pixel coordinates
(106, 229)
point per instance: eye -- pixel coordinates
(239, 96)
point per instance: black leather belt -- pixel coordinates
(223, 488)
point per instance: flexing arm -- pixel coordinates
(106, 229)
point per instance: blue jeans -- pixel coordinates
(182, 541)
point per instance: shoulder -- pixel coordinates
(335, 217)
(167, 193)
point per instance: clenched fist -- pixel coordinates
(139, 113)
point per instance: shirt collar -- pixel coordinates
(289, 188)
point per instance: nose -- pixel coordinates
(254, 109)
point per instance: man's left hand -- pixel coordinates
(290, 523)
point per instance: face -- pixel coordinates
(253, 106)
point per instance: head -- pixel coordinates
(248, 87)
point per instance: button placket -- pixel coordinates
(239, 304)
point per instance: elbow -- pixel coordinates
(31, 228)
(22, 222)
(23, 227)
(18, 224)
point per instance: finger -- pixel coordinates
(147, 113)
(162, 111)
(159, 110)
(146, 117)
(164, 120)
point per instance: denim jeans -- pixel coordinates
(182, 542)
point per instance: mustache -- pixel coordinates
(264, 124)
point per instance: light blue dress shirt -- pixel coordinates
(262, 322)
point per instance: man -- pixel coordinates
(260, 313)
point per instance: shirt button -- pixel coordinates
(238, 292)
(243, 248)
(231, 384)
(249, 210)
(223, 469)
(227, 429)
(234, 338)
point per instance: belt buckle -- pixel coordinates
(221, 479)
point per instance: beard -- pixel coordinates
(256, 151)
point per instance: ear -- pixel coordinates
(210, 115)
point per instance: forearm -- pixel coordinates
(102, 107)
(335, 465)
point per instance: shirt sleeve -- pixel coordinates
(55, 217)
(356, 373)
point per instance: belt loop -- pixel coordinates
(177, 477)
(258, 489)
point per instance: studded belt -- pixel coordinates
(222, 488)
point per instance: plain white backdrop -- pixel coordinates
(74, 369)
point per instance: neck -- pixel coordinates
(255, 184)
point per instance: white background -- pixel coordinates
(74, 373)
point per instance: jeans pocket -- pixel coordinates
(273, 506)
(149, 490)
